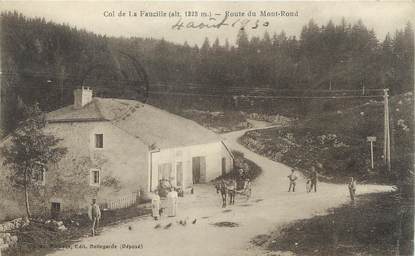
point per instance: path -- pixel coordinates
(270, 207)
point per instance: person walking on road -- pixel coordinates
(313, 179)
(94, 214)
(292, 177)
(352, 188)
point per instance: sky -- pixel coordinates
(94, 16)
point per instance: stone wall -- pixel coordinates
(122, 164)
(6, 238)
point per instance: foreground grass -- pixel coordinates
(37, 238)
(377, 224)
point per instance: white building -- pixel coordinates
(116, 147)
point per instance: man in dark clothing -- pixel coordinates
(94, 214)
(313, 179)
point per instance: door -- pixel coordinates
(55, 210)
(179, 174)
(223, 166)
(199, 169)
(165, 171)
(196, 169)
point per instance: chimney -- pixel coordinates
(82, 96)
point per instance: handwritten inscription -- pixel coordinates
(218, 23)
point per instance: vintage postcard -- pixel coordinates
(206, 128)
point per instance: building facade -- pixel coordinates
(116, 147)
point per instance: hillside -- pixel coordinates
(336, 142)
(43, 61)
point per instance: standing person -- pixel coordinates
(352, 188)
(232, 191)
(221, 188)
(248, 187)
(155, 205)
(94, 214)
(313, 179)
(172, 198)
(292, 177)
(241, 173)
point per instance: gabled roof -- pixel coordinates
(149, 124)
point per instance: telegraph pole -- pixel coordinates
(386, 143)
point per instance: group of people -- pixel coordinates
(312, 179)
(227, 189)
(170, 208)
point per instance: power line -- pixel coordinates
(267, 97)
(191, 85)
(228, 89)
(241, 96)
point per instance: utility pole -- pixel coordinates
(386, 143)
(363, 88)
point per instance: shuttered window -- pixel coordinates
(99, 140)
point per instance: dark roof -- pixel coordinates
(90, 112)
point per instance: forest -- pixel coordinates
(43, 62)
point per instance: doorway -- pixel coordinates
(55, 210)
(199, 169)
(223, 166)
(179, 174)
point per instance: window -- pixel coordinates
(55, 210)
(95, 178)
(99, 140)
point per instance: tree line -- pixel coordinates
(43, 61)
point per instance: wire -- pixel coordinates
(268, 97)
(198, 86)
(228, 89)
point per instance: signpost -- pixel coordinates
(371, 139)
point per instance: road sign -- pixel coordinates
(371, 139)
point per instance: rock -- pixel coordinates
(13, 239)
(62, 228)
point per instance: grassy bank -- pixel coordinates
(378, 224)
(40, 237)
(251, 169)
(217, 121)
(337, 144)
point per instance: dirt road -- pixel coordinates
(271, 206)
